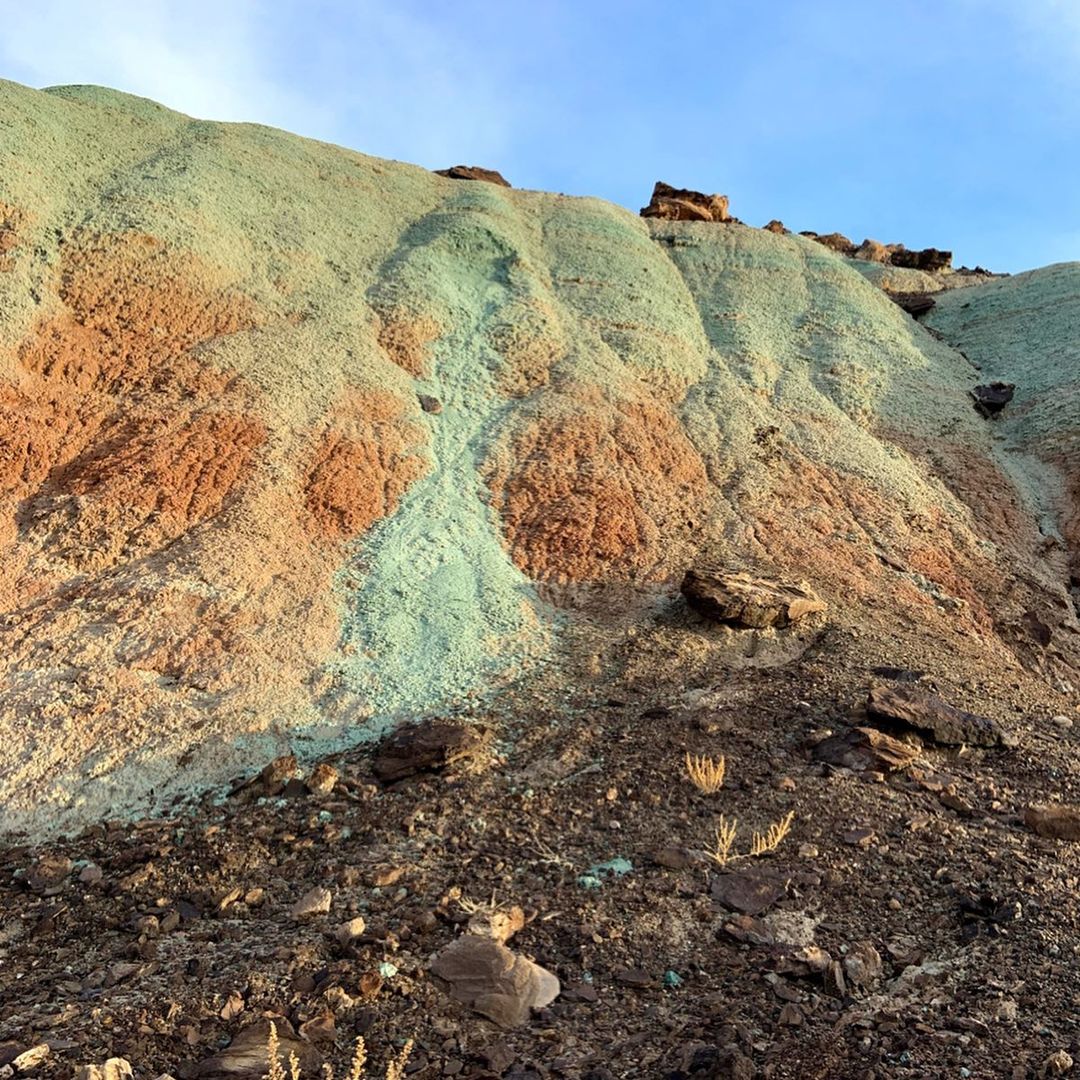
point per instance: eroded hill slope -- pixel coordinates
(297, 442)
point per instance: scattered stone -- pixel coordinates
(248, 1054)
(500, 925)
(748, 891)
(348, 932)
(931, 716)
(1057, 1064)
(915, 304)
(737, 599)
(898, 674)
(778, 227)
(681, 204)
(427, 747)
(1056, 821)
(31, 1059)
(749, 931)
(992, 398)
(474, 172)
(1063, 723)
(430, 404)
(113, 1069)
(315, 901)
(385, 876)
(862, 964)
(48, 875)
(91, 874)
(493, 981)
(323, 779)
(863, 837)
(675, 858)
(863, 748)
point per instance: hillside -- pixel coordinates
(298, 444)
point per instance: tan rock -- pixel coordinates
(315, 901)
(681, 204)
(493, 981)
(499, 925)
(740, 600)
(1058, 821)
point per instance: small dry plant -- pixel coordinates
(706, 774)
(762, 844)
(395, 1070)
(720, 852)
(723, 851)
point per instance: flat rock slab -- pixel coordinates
(866, 749)
(1059, 822)
(474, 172)
(427, 747)
(248, 1054)
(493, 981)
(737, 599)
(747, 891)
(932, 716)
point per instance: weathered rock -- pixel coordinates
(349, 931)
(474, 172)
(778, 227)
(500, 925)
(740, 600)
(748, 891)
(1058, 821)
(865, 748)
(862, 964)
(675, 858)
(872, 251)
(915, 304)
(315, 901)
(837, 242)
(49, 873)
(993, 397)
(493, 981)
(427, 747)
(322, 780)
(31, 1059)
(931, 716)
(1057, 1064)
(430, 404)
(681, 204)
(248, 1054)
(929, 260)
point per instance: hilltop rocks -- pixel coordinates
(929, 260)
(872, 251)
(915, 304)
(681, 204)
(932, 716)
(740, 600)
(990, 399)
(778, 227)
(474, 172)
(837, 242)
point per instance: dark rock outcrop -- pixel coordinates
(681, 204)
(991, 398)
(929, 259)
(427, 747)
(932, 717)
(474, 172)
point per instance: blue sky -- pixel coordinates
(951, 123)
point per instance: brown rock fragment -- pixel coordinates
(427, 747)
(474, 172)
(931, 716)
(493, 981)
(866, 749)
(740, 600)
(681, 204)
(1058, 822)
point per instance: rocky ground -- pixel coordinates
(911, 924)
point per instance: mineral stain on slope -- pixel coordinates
(228, 521)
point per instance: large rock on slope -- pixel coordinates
(740, 600)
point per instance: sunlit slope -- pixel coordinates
(300, 441)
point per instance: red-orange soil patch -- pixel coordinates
(600, 493)
(361, 466)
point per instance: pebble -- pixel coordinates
(315, 901)
(1057, 1064)
(350, 931)
(322, 780)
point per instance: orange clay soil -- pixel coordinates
(362, 466)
